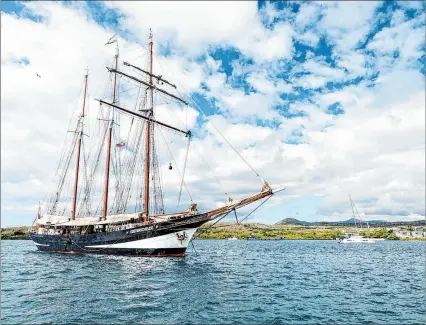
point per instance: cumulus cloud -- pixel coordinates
(374, 148)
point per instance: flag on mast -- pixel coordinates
(121, 144)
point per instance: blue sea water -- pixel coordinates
(248, 282)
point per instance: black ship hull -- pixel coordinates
(169, 238)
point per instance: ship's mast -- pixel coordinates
(108, 157)
(149, 120)
(148, 132)
(74, 201)
(353, 210)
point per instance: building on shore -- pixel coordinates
(417, 233)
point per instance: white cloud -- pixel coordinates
(196, 26)
(268, 45)
(375, 150)
(354, 63)
(417, 5)
(309, 38)
(262, 83)
(345, 23)
(405, 37)
(307, 15)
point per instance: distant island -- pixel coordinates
(351, 222)
(294, 229)
(289, 228)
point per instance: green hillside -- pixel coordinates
(14, 233)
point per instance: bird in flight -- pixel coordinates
(38, 75)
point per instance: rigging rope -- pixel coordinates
(208, 166)
(201, 110)
(211, 169)
(48, 197)
(205, 229)
(184, 168)
(124, 191)
(211, 226)
(159, 169)
(256, 208)
(64, 175)
(184, 184)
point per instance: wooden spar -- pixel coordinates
(159, 78)
(77, 166)
(148, 135)
(240, 204)
(187, 133)
(147, 84)
(108, 157)
(106, 186)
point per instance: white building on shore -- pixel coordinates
(417, 233)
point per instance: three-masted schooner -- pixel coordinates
(149, 231)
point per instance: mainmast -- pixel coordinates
(148, 132)
(148, 117)
(108, 157)
(77, 166)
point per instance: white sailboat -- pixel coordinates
(355, 237)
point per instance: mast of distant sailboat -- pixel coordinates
(353, 213)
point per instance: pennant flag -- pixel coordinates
(121, 144)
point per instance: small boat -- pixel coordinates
(355, 237)
(233, 238)
(251, 237)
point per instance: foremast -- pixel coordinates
(77, 165)
(108, 155)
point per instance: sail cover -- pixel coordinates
(53, 220)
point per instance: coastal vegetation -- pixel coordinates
(379, 233)
(14, 233)
(225, 230)
(261, 231)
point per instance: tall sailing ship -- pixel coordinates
(68, 221)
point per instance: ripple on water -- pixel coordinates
(268, 282)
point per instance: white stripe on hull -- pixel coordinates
(165, 241)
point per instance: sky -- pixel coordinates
(325, 98)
